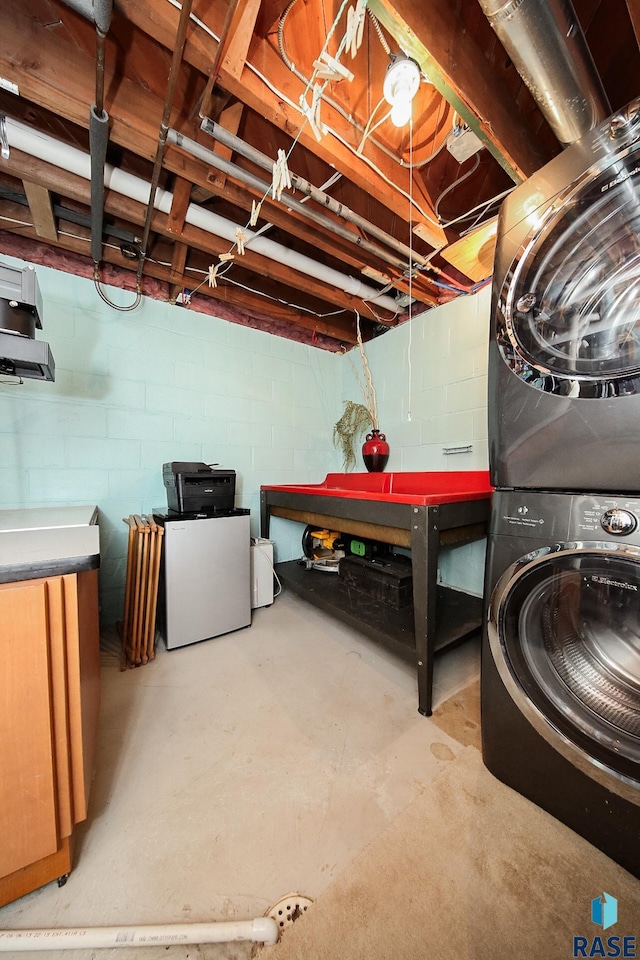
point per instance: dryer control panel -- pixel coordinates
(595, 517)
(618, 522)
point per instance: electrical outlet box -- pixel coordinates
(464, 145)
(261, 572)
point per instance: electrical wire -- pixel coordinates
(367, 131)
(285, 99)
(419, 164)
(102, 296)
(456, 183)
(244, 286)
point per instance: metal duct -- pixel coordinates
(548, 48)
(98, 11)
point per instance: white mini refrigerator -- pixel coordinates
(205, 580)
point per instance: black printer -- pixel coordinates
(198, 488)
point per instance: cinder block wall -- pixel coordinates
(134, 390)
(430, 376)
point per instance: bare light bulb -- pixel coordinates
(401, 83)
(401, 112)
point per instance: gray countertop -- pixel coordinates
(44, 518)
(48, 541)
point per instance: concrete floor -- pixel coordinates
(240, 770)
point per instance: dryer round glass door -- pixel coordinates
(565, 635)
(569, 311)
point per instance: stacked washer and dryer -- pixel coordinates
(561, 651)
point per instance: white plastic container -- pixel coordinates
(261, 572)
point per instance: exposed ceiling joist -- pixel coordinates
(41, 209)
(399, 215)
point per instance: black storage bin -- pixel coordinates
(385, 579)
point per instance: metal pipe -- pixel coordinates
(98, 11)
(262, 186)
(98, 139)
(100, 50)
(262, 160)
(548, 48)
(69, 158)
(99, 133)
(176, 60)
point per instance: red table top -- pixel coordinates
(423, 488)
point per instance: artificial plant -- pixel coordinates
(357, 418)
(349, 429)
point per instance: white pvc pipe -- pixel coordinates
(260, 930)
(75, 161)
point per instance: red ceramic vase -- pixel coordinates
(375, 451)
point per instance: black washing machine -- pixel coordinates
(564, 355)
(561, 661)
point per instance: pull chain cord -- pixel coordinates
(410, 261)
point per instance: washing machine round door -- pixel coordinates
(564, 633)
(569, 310)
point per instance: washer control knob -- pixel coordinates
(618, 522)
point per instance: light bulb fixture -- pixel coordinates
(401, 82)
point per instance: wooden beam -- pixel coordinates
(633, 6)
(36, 60)
(179, 204)
(132, 108)
(377, 177)
(195, 170)
(41, 208)
(178, 260)
(342, 331)
(234, 52)
(230, 120)
(473, 255)
(135, 213)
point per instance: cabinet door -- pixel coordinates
(82, 646)
(28, 788)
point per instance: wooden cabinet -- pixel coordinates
(49, 704)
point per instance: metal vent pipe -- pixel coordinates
(548, 48)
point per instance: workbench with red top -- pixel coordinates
(420, 511)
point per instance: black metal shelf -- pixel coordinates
(440, 616)
(459, 615)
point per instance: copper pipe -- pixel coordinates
(176, 61)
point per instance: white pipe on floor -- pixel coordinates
(72, 160)
(260, 930)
